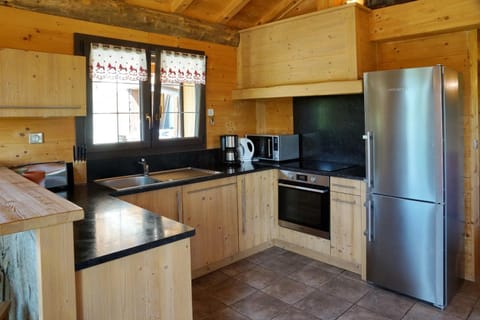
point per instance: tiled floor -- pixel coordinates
(280, 285)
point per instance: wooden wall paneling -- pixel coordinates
(459, 51)
(423, 17)
(366, 49)
(274, 116)
(40, 32)
(58, 134)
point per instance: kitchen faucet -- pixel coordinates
(144, 163)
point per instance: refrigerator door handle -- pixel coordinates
(369, 232)
(368, 137)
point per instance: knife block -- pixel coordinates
(80, 172)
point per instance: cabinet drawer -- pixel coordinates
(342, 185)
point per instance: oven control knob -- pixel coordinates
(313, 179)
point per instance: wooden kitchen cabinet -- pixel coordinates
(346, 212)
(38, 84)
(166, 202)
(256, 208)
(211, 208)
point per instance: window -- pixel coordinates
(141, 98)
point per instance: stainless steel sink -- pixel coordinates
(126, 182)
(158, 177)
(182, 174)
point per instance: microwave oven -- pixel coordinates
(275, 147)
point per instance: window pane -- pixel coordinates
(105, 128)
(116, 112)
(129, 127)
(180, 105)
(128, 97)
(191, 123)
(104, 96)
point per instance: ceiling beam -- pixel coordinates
(282, 8)
(325, 4)
(180, 5)
(232, 8)
(117, 13)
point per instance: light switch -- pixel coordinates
(210, 112)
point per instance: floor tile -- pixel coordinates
(386, 303)
(421, 311)
(460, 306)
(470, 288)
(326, 267)
(226, 314)
(312, 275)
(346, 288)
(282, 264)
(231, 291)
(359, 313)
(351, 275)
(260, 306)
(210, 279)
(238, 267)
(258, 277)
(297, 257)
(288, 290)
(266, 255)
(294, 314)
(475, 314)
(204, 305)
(323, 306)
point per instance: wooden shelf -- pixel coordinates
(296, 90)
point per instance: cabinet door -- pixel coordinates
(211, 208)
(38, 84)
(256, 194)
(165, 202)
(345, 226)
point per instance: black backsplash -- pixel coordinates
(105, 168)
(331, 128)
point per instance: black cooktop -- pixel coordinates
(317, 165)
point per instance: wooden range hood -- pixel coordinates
(322, 53)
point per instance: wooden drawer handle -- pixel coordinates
(343, 186)
(345, 201)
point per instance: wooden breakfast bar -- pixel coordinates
(36, 228)
(92, 256)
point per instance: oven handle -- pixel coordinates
(302, 188)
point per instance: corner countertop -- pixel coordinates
(113, 228)
(25, 205)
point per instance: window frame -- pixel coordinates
(150, 144)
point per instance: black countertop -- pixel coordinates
(113, 228)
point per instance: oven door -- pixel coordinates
(304, 208)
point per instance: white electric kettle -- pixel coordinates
(245, 149)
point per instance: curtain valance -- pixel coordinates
(180, 67)
(110, 62)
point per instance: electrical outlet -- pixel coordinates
(210, 112)
(35, 138)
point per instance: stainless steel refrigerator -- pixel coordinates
(414, 164)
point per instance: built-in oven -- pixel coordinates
(304, 202)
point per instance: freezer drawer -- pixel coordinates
(405, 251)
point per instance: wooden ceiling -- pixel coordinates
(210, 20)
(237, 14)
